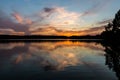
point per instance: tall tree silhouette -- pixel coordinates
(112, 58)
(116, 22)
(112, 30)
(108, 27)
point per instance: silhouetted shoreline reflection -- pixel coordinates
(113, 58)
(55, 60)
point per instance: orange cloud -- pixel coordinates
(54, 31)
(58, 55)
(50, 46)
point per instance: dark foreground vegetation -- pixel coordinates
(112, 30)
(111, 42)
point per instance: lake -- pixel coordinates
(57, 60)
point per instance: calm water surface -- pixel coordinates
(60, 60)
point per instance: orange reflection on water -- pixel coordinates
(58, 55)
(53, 45)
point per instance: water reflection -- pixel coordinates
(79, 60)
(11, 45)
(113, 58)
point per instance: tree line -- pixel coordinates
(112, 30)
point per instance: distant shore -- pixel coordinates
(36, 37)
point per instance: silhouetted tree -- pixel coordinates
(116, 22)
(112, 30)
(108, 27)
(113, 58)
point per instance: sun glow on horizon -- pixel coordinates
(66, 20)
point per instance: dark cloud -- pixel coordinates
(8, 23)
(95, 29)
(104, 21)
(42, 16)
(48, 9)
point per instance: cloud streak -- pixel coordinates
(104, 22)
(11, 32)
(54, 31)
(97, 7)
(20, 19)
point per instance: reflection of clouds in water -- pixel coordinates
(57, 55)
(57, 59)
(21, 57)
(11, 45)
(53, 45)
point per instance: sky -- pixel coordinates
(56, 17)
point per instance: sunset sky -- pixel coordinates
(56, 17)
